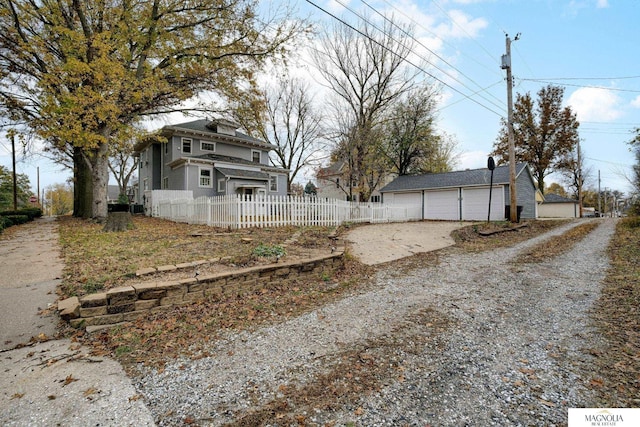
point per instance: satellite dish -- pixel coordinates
(491, 165)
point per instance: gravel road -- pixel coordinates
(473, 341)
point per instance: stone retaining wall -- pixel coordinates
(130, 302)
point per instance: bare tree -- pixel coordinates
(122, 165)
(575, 173)
(410, 140)
(366, 72)
(290, 122)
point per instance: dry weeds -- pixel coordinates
(617, 316)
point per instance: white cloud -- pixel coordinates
(462, 26)
(473, 160)
(601, 4)
(594, 104)
(636, 102)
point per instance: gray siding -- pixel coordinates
(525, 196)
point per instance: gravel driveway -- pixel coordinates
(473, 341)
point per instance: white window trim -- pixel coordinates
(275, 178)
(222, 185)
(182, 141)
(200, 169)
(259, 155)
(207, 142)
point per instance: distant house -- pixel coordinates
(333, 183)
(209, 158)
(555, 206)
(464, 195)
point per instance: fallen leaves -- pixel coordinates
(70, 379)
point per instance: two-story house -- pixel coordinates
(210, 158)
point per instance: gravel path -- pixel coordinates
(472, 341)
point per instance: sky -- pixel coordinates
(589, 47)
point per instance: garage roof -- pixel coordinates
(554, 198)
(465, 178)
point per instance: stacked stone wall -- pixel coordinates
(128, 303)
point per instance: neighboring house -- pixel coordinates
(555, 206)
(464, 195)
(331, 183)
(113, 193)
(210, 158)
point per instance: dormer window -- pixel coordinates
(255, 156)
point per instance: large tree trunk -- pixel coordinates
(100, 175)
(82, 186)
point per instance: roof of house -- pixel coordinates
(243, 173)
(465, 178)
(554, 198)
(212, 158)
(204, 128)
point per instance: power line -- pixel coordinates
(591, 78)
(583, 86)
(404, 59)
(424, 46)
(493, 70)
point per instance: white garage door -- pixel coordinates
(475, 204)
(442, 205)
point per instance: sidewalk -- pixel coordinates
(56, 382)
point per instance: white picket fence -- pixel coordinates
(273, 211)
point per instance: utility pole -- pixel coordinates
(599, 194)
(579, 181)
(15, 178)
(506, 65)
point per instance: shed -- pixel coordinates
(555, 206)
(464, 195)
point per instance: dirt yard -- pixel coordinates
(379, 243)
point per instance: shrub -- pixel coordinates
(5, 223)
(31, 213)
(263, 250)
(17, 219)
(631, 222)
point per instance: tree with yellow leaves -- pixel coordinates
(80, 74)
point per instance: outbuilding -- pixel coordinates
(464, 195)
(555, 206)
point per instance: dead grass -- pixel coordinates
(617, 316)
(108, 259)
(557, 245)
(468, 239)
(95, 260)
(354, 372)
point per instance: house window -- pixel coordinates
(207, 146)
(145, 184)
(273, 183)
(206, 177)
(375, 199)
(166, 148)
(255, 156)
(186, 145)
(165, 183)
(222, 185)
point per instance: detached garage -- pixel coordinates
(555, 206)
(463, 195)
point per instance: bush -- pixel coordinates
(17, 219)
(5, 223)
(631, 222)
(31, 213)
